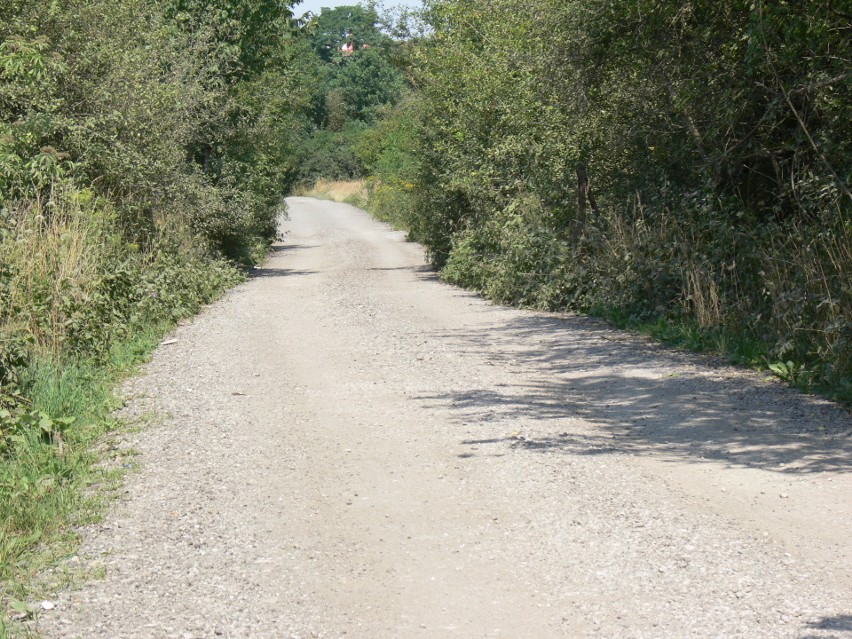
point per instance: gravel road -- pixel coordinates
(346, 446)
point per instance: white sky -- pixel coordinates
(315, 5)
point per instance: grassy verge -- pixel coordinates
(738, 347)
(79, 307)
(350, 192)
(61, 478)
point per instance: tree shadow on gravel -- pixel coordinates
(841, 623)
(423, 272)
(281, 248)
(257, 273)
(641, 398)
(275, 251)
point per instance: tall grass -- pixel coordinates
(79, 307)
(349, 191)
(55, 254)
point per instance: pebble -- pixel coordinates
(584, 532)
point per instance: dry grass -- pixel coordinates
(54, 251)
(351, 192)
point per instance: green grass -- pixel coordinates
(738, 347)
(50, 487)
(13, 630)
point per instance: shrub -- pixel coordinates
(713, 137)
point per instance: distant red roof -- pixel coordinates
(348, 48)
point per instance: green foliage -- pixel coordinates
(47, 467)
(718, 156)
(329, 155)
(116, 94)
(72, 289)
(18, 429)
(84, 306)
(29, 77)
(144, 151)
(389, 153)
(241, 35)
(367, 81)
(351, 92)
(334, 27)
(785, 370)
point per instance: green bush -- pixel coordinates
(144, 151)
(716, 149)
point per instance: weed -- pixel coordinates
(51, 476)
(351, 192)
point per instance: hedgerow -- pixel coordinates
(713, 146)
(145, 149)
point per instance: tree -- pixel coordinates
(715, 136)
(244, 34)
(350, 89)
(334, 27)
(366, 81)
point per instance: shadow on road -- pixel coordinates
(275, 251)
(842, 623)
(423, 272)
(280, 248)
(276, 272)
(641, 397)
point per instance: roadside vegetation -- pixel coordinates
(347, 191)
(678, 167)
(144, 151)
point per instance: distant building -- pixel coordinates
(349, 48)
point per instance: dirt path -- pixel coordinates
(354, 448)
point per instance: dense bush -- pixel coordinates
(388, 152)
(144, 151)
(330, 155)
(716, 143)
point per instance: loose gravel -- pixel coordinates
(346, 446)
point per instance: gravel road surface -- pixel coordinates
(346, 446)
